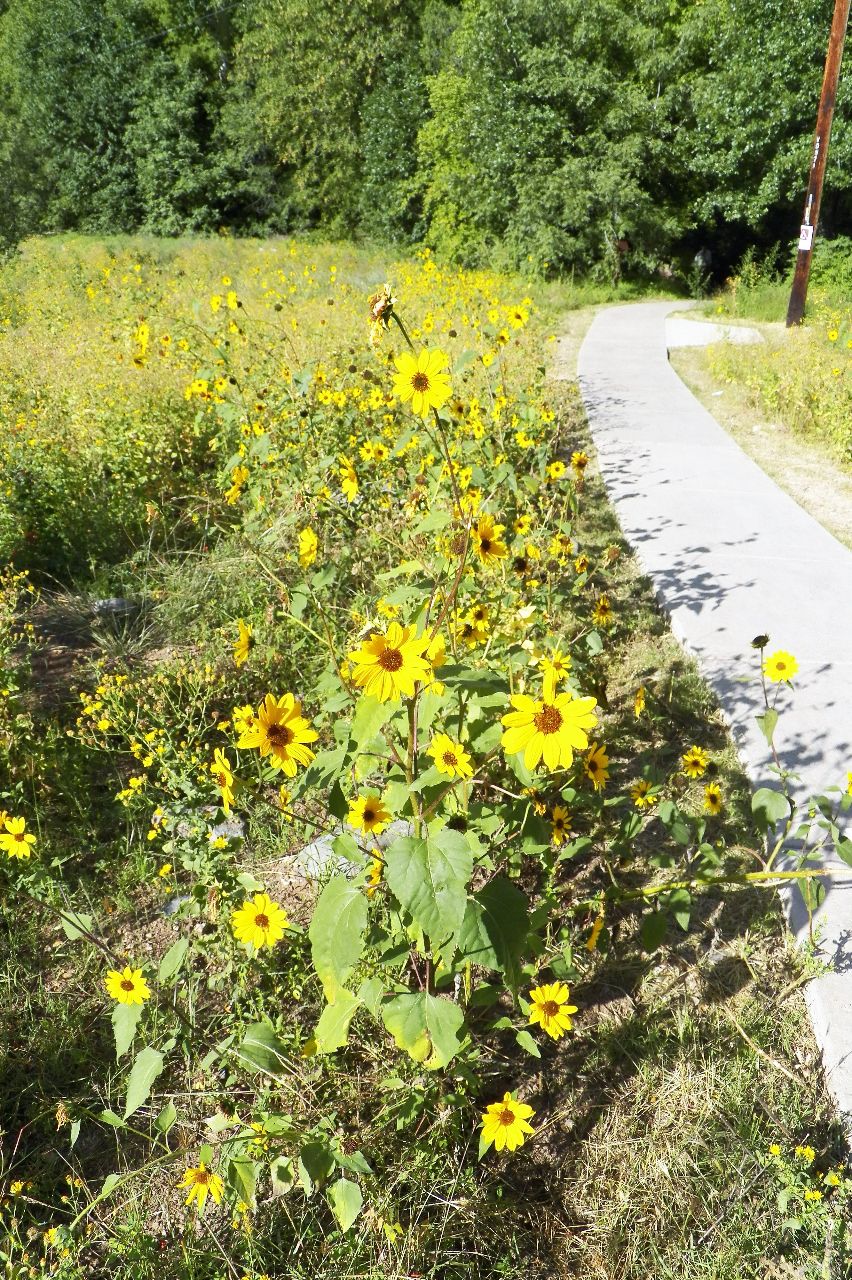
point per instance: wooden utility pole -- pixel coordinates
(819, 155)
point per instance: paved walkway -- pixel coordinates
(732, 556)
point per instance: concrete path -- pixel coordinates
(703, 333)
(732, 556)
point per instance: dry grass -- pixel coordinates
(810, 471)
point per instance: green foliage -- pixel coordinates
(559, 132)
(311, 68)
(397, 999)
(545, 130)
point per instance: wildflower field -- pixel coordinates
(801, 377)
(380, 893)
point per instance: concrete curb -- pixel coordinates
(732, 556)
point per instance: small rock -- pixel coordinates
(174, 905)
(232, 829)
(115, 606)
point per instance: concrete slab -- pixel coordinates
(703, 333)
(731, 556)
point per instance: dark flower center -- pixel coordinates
(370, 815)
(420, 382)
(390, 659)
(550, 1009)
(279, 735)
(126, 984)
(485, 544)
(507, 1117)
(202, 1177)
(262, 921)
(449, 757)
(548, 720)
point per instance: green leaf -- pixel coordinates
(147, 1065)
(332, 1030)
(282, 1175)
(75, 924)
(495, 926)
(337, 933)
(125, 1018)
(768, 722)
(433, 522)
(526, 1041)
(261, 1050)
(167, 1117)
(473, 680)
(315, 1164)
(324, 768)
(370, 993)
(346, 1202)
(109, 1117)
(249, 882)
(369, 718)
(679, 902)
(111, 1181)
(769, 806)
(429, 877)
(172, 960)
(425, 1026)
(242, 1177)
(652, 930)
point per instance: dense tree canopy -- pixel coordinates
(566, 132)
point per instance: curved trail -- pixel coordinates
(732, 556)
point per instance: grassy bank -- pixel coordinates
(215, 491)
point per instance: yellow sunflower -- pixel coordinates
(307, 547)
(368, 814)
(487, 540)
(387, 666)
(348, 479)
(282, 732)
(548, 730)
(436, 653)
(450, 757)
(15, 840)
(375, 877)
(639, 701)
(640, 794)
(780, 666)
(560, 824)
(713, 801)
(505, 1124)
(244, 642)
(695, 761)
(259, 921)
(602, 614)
(223, 776)
(244, 720)
(555, 668)
(422, 380)
(201, 1183)
(551, 1010)
(596, 766)
(127, 986)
